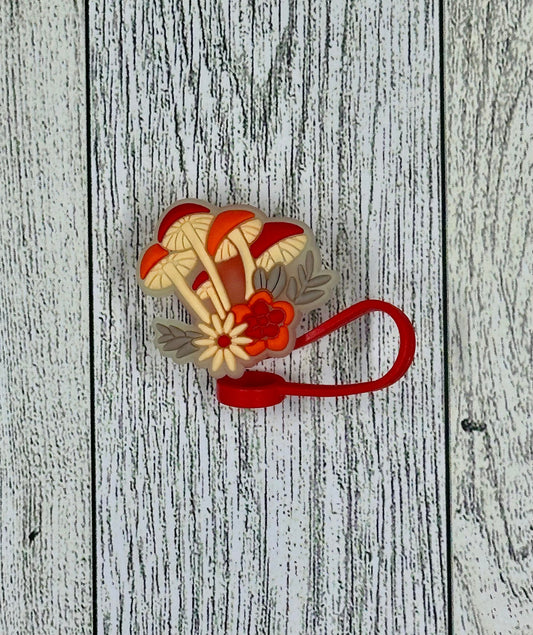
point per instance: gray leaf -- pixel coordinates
(172, 345)
(310, 263)
(177, 341)
(277, 286)
(176, 331)
(309, 296)
(166, 338)
(273, 276)
(193, 334)
(292, 289)
(177, 344)
(302, 277)
(319, 281)
(162, 328)
(260, 279)
(185, 351)
(175, 338)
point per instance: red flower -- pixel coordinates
(267, 322)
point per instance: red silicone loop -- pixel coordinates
(399, 368)
(260, 389)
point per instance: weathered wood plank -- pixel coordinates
(489, 120)
(314, 516)
(45, 526)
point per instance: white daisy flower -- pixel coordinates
(223, 345)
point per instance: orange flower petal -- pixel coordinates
(261, 295)
(287, 308)
(240, 311)
(255, 348)
(280, 342)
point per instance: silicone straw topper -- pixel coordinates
(246, 281)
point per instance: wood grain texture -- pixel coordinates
(315, 516)
(45, 525)
(489, 120)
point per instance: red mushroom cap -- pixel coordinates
(199, 280)
(173, 215)
(271, 234)
(222, 225)
(150, 258)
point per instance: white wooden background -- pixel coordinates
(328, 516)
(489, 123)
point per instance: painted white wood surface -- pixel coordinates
(45, 510)
(315, 516)
(489, 120)
(319, 516)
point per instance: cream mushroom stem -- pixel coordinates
(209, 265)
(237, 238)
(212, 295)
(188, 295)
(206, 291)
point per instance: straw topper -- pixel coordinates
(246, 281)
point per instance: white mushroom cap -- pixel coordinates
(176, 240)
(282, 252)
(155, 278)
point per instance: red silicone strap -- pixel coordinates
(399, 368)
(259, 389)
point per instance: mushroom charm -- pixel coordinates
(245, 279)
